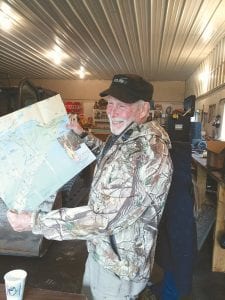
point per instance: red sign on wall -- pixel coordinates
(73, 107)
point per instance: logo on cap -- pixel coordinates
(121, 80)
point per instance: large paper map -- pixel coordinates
(38, 154)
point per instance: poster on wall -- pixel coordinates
(212, 113)
(73, 107)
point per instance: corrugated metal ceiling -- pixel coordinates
(158, 39)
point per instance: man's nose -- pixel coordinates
(114, 111)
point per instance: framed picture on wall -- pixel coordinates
(211, 113)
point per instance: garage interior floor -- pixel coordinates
(62, 267)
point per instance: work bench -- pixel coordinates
(202, 171)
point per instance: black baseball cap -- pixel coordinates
(129, 88)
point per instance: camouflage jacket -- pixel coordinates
(128, 193)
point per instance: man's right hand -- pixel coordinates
(74, 124)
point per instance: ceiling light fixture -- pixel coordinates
(56, 55)
(81, 72)
(5, 20)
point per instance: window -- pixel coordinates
(222, 132)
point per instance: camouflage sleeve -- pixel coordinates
(93, 143)
(148, 192)
(69, 223)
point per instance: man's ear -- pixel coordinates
(144, 110)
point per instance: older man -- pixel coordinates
(130, 185)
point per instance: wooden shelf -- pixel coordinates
(100, 115)
(101, 120)
(101, 123)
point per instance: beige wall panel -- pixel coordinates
(75, 89)
(169, 91)
(165, 91)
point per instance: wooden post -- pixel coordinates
(218, 261)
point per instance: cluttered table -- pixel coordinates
(37, 294)
(218, 259)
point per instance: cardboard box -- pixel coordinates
(215, 154)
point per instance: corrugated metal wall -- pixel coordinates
(210, 74)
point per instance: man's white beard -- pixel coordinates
(117, 125)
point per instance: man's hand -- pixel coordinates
(74, 124)
(20, 221)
